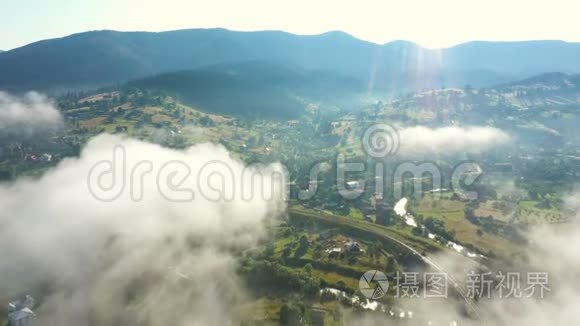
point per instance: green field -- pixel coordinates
(528, 212)
(452, 213)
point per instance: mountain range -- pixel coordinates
(254, 88)
(99, 58)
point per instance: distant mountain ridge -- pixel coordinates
(253, 88)
(549, 80)
(98, 58)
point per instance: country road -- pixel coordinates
(456, 285)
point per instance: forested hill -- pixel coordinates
(254, 88)
(98, 58)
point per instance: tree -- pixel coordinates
(372, 250)
(269, 251)
(302, 247)
(469, 213)
(326, 296)
(286, 252)
(416, 231)
(317, 251)
(290, 314)
(308, 269)
(379, 246)
(206, 121)
(304, 241)
(390, 264)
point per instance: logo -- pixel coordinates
(381, 140)
(373, 284)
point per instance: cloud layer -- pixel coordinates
(134, 261)
(449, 140)
(553, 249)
(27, 115)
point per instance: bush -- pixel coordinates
(290, 314)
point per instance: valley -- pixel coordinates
(209, 176)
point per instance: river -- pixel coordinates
(401, 210)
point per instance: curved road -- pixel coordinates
(456, 286)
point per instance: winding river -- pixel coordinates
(401, 210)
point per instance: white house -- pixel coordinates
(19, 313)
(22, 317)
(352, 185)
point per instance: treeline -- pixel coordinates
(268, 276)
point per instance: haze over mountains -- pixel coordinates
(99, 58)
(254, 88)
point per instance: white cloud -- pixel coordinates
(126, 262)
(553, 249)
(449, 140)
(27, 115)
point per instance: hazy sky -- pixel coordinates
(430, 23)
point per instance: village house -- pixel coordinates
(353, 247)
(22, 317)
(19, 311)
(352, 185)
(334, 252)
